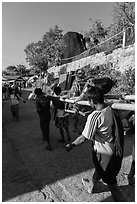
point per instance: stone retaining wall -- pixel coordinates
(122, 59)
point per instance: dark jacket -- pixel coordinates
(43, 106)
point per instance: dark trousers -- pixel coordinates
(44, 125)
(15, 111)
(109, 175)
(113, 167)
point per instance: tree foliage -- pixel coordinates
(123, 18)
(44, 53)
(124, 14)
(125, 82)
(15, 70)
(10, 70)
(97, 30)
(21, 69)
(35, 56)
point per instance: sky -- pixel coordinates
(26, 22)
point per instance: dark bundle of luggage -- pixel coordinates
(105, 82)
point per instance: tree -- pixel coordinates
(4, 72)
(123, 18)
(10, 70)
(97, 34)
(21, 69)
(97, 30)
(53, 44)
(125, 13)
(44, 53)
(15, 70)
(35, 57)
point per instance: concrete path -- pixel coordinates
(30, 173)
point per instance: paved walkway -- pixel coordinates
(33, 174)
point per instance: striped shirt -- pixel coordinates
(99, 126)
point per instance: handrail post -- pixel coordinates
(124, 38)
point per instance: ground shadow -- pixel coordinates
(28, 167)
(127, 191)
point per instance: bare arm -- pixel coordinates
(82, 95)
(79, 140)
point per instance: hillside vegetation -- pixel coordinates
(119, 65)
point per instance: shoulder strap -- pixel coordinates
(118, 133)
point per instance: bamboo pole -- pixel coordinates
(123, 106)
(130, 97)
(119, 106)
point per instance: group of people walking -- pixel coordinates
(43, 105)
(103, 128)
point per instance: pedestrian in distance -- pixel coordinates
(9, 90)
(104, 129)
(14, 107)
(17, 90)
(43, 110)
(3, 92)
(61, 118)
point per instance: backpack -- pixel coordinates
(58, 104)
(118, 134)
(44, 104)
(115, 162)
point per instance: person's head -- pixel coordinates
(80, 73)
(57, 90)
(38, 91)
(95, 95)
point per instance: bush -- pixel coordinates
(127, 82)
